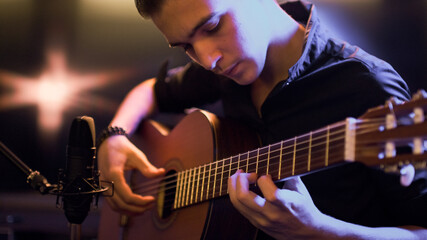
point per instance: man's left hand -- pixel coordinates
(282, 213)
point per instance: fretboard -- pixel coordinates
(296, 156)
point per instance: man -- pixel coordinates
(278, 71)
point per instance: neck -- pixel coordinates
(285, 48)
(296, 156)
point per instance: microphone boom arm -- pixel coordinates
(34, 178)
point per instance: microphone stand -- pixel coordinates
(39, 182)
(75, 231)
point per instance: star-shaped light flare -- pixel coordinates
(57, 89)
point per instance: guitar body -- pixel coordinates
(200, 138)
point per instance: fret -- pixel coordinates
(214, 182)
(233, 164)
(192, 185)
(263, 160)
(319, 149)
(294, 156)
(327, 146)
(238, 162)
(187, 187)
(257, 160)
(178, 186)
(181, 189)
(274, 162)
(190, 176)
(222, 163)
(280, 161)
(302, 154)
(203, 183)
(187, 192)
(252, 155)
(212, 179)
(247, 162)
(287, 156)
(268, 161)
(227, 164)
(209, 180)
(244, 161)
(198, 181)
(230, 168)
(309, 152)
(337, 145)
(181, 202)
(184, 196)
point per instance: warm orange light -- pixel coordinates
(55, 90)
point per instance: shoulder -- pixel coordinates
(361, 66)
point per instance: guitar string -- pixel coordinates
(299, 143)
(316, 164)
(202, 198)
(191, 182)
(274, 172)
(245, 159)
(170, 196)
(288, 140)
(197, 199)
(263, 149)
(221, 192)
(298, 168)
(233, 166)
(224, 191)
(260, 156)
(284, 149)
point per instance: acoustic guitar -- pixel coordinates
(202, 151)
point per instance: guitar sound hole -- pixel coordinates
(166, 196)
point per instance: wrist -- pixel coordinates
(109, 132)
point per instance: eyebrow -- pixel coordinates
(202, 22)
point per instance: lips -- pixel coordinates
(230, 71)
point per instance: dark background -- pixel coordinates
(98, 50)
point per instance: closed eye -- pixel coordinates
(213, 26)
(185, 46)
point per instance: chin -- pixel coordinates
(243, 82)
(246, 78)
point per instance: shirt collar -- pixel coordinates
(315, 41)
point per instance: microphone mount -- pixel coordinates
(39, 183)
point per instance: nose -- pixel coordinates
(207, 54)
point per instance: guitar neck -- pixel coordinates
(296, 156)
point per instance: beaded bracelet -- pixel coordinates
(108, 132)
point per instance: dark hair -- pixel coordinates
(147, 8)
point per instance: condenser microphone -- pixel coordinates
(80, 174)
(79, 183)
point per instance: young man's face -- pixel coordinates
(221, 35)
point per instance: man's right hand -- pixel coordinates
(115, 155)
